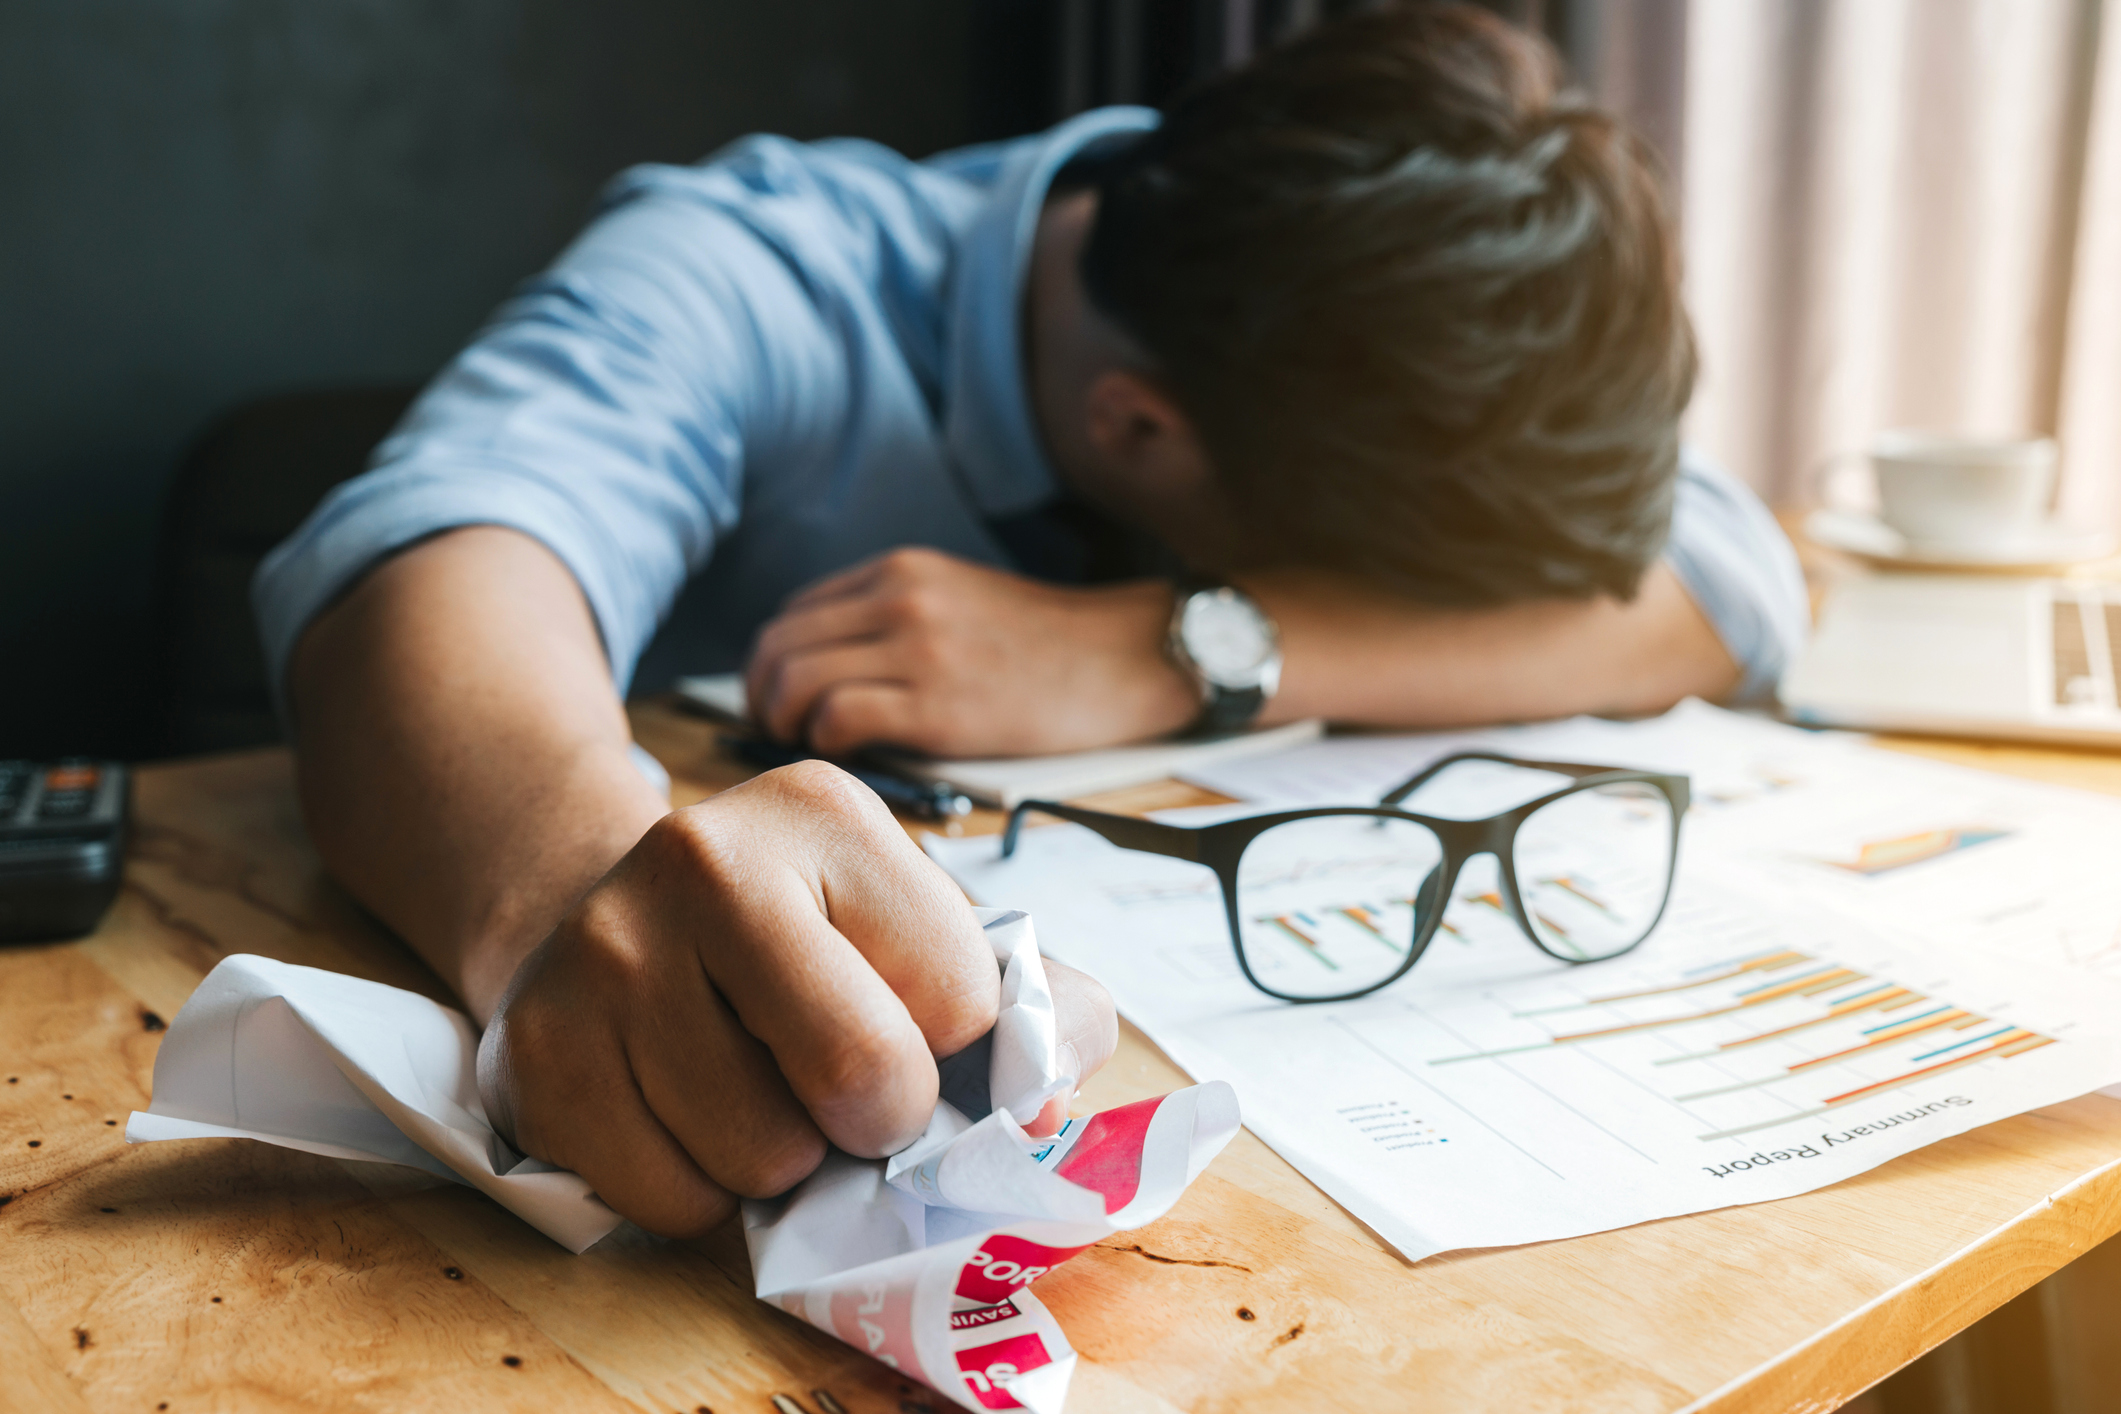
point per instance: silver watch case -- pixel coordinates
(1206, 640)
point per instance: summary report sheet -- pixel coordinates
(1803, 1013)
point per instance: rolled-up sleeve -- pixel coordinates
(605, 411)
(1738, 566)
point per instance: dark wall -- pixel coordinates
(204, 201)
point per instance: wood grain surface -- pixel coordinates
(228, 1275)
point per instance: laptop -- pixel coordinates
(1965, 655)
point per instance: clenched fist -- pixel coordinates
(769, 971)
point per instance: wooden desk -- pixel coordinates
(234, 1276)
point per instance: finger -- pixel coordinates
(640, 1170)
(851, 715)
(800, 682)
(799, 630)
(910, 922)
(855, 579)
(1087, 1031)
(850, 1051)
(896, 907)
(716, 1088)
(582, 1111)
(1085, 1021)
(1051, 1116)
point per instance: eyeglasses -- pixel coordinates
(1333, 903)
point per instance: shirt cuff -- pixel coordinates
(1741, 571)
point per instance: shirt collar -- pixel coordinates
(989, 427)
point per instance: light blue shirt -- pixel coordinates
(755, 371)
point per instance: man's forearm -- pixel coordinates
(463, 754)
(1364, 660)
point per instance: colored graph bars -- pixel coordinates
(1884, 856)
(1915, 1037)
(1756, 782)
(1390, 922)
(1556, 929)
(1307, 927)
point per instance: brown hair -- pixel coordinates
(1423, 311)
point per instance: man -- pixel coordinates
(1372, 351)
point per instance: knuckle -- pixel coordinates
(910, 560)
(725, 841)
(921, 605)
(701, 844)
(956, 1021)
(852, 807)
(902, 607)
(860, 1063)
(822, 788)
(600, 931)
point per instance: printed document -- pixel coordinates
(1840, 979)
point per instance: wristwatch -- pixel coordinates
(1231, 650)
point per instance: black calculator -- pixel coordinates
(62, 846)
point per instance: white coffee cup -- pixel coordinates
(1948, 490)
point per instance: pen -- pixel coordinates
(930, 800)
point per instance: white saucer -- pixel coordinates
(2050, 545)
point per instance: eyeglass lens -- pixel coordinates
(1593, 868)
(1326, 906)
(1330, 905)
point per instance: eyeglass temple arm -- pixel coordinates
(1435, 768)
(1126, 831)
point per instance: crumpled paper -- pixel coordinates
(924, 1260)
(316, 1060)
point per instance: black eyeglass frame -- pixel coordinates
(1221, 845)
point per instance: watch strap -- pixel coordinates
(1227, 710)
(1224, 710)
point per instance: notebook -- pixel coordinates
(1004, 781)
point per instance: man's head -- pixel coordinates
(1418, 314)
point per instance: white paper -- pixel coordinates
(335, 1065)
(1453, 1110)
(924, 1261)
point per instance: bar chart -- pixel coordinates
(1838, 1035)
(1875, 857)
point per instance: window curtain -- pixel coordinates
(1904, 213)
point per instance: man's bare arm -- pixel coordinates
(1364, 660)
(463, 754)
(919, 649)
(682, 1006)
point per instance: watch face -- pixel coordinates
(1227, 637)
